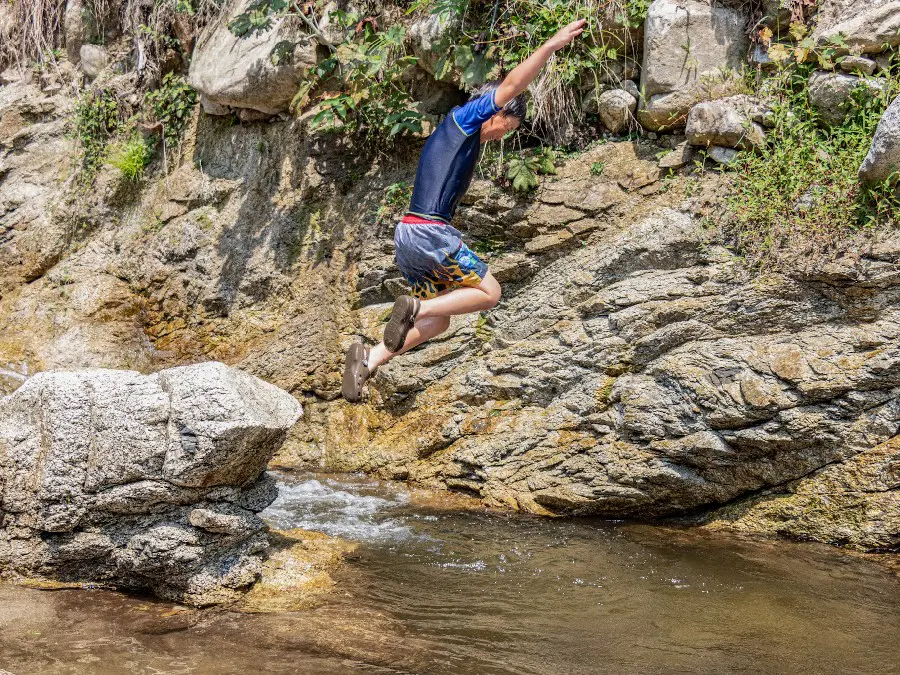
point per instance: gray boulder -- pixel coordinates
(427, 36)
(141, 481)
(615, 108)
(260, 71)
(94, 59)
(73, 28)
(725, 122)
(857, 64)
(831, 94)
(693, 50)
(884, 155)
(865, 27)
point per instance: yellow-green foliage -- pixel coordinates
(131, 158)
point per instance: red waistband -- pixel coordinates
(410, 219)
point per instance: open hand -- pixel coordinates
(566, 35)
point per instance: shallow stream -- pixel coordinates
(437, 590)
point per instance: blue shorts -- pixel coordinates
(433, 258)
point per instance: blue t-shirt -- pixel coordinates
(448, 160)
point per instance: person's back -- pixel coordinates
(446, 277)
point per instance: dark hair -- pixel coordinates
(516, 108)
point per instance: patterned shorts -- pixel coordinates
(433, 258)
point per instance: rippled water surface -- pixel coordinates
(433, 590)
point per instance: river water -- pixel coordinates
(438, 590)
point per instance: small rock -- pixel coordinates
(93, 60)
(615, 107)
(631, 87)
(249, 115)
(726, 122)
(213, 108)
(831, 94)
(883, 61)
(720, 155)
(549, 242)
(883, 158)
(857, 64)
(678, 158)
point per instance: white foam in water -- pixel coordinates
(326, 506)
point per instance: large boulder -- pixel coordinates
(884, 155)
(832, 94)
(863, 26)
(727, 122)
(141, 481)
(260, 70)
(693, 51)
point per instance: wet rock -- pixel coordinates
(616, 109)
(883, 158)
(259, 71)
(863, 27)
(831, 94)
(830, 505)
(297, 572)
(673, 79)
(93, 60)
(141, 481)
(727, 122)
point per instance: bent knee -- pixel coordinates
(494, 293)
(442, 323)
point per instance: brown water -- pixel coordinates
(435, 591)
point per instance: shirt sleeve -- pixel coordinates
(473, 114)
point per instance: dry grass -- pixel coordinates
(29, 31)
(32, 30)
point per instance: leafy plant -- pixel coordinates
(523, 170)
(96, 122)
(131, 158)
(396, 199)
(171, 106)
(370, 66)
(597, 168)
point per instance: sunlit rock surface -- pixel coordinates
(141, 481)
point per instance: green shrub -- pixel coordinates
(96, 122)
(131, 158)
(799, 194)
(171, 105)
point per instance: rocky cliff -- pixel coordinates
(636, 366)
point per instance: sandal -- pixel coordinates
(356, 372)
(403, 317)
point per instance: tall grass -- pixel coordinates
(799, 196)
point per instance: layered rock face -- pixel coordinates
(141, 481)
(644, 373)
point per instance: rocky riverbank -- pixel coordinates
(636, 367)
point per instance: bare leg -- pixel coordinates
(424, 330)
(463, 300)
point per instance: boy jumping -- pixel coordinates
(447, 278)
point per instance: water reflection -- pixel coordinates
(440, 591)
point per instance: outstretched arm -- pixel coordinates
(523, 74)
